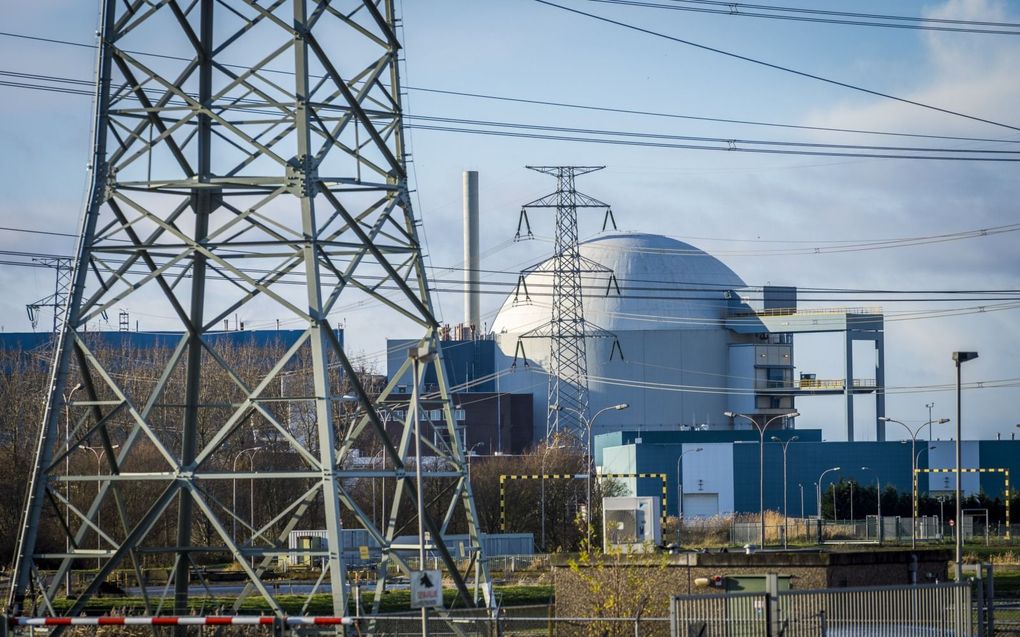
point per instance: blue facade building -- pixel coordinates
(719, 470)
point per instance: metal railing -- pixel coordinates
(789, 311)
(889, 611)
(896, 530)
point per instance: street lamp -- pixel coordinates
(761, 459)
(959, 358)
(680, 492)
(233, 487)
(589, 466)
(878, 486)
(99, 509)
(542, 494)
(67, 485)
(786, 528)
(913, 467)
(818, 487)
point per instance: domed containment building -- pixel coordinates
(695, 341)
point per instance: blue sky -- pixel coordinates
(743, 207)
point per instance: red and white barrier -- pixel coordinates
(225, 620)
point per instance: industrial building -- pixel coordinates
(691, 341)
(722, 478)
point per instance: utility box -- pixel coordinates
(631, 523)
(753, 583)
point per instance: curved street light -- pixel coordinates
(818, 488)
(680, 492)
(786, 528)
(761, 459)
(914, 433)
(588, 464)
(878, 486)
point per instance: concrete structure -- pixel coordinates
(695, 341)
(472, 255)
(723, 477)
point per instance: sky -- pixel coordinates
(763, 215)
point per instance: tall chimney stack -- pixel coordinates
(472, 277)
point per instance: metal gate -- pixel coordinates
(926, 610)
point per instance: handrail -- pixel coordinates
(789, 311)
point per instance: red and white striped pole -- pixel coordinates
(225, 620)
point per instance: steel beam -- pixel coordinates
(278, 190)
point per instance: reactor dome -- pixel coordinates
(664, 284)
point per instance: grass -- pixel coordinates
(320, 604)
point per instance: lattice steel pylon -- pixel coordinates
(248, 157)
(567, 329)
(61, 288)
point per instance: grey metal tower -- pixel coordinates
(567, 329)
(248, 158)
(61, 288)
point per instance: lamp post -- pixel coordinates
(99, 510)
(818, 487)
(233, 489)
(930, 406)
(680, 492)
(589, 467)
(786, 527)
(801, 485)
(761, 459)
(913, 466)
(959, 358)
(878, 486)
(542, 492)
(67, 485)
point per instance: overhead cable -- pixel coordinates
(818, 16)
(778, 67)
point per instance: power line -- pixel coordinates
(678, 146)
(641, 139)
(504, 98)
(720, 140)
(627, 111)
(855, 19)
(778, 67)
(656, 293)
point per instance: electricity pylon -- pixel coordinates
(567, 329)
(57, 300)
(248, 158)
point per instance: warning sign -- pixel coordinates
(426, 589)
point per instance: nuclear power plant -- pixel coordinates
(250, 165)
(704, 365)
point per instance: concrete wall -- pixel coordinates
(656, 368)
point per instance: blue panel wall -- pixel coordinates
(806, 462)
(996, 454)
(470, 365)
(694, 437)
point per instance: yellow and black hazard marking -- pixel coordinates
(1001, 470)
(571, 476)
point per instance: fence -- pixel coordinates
(814, 531)
(889, 611)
